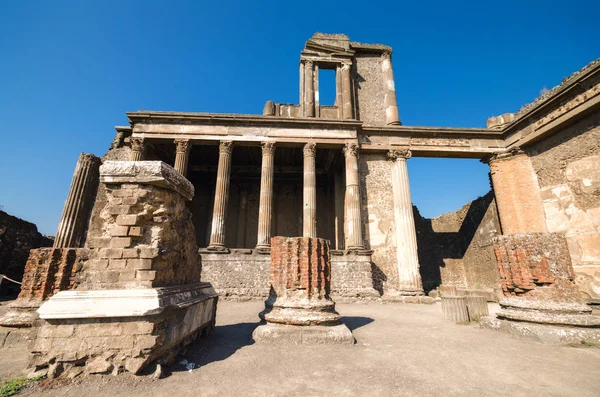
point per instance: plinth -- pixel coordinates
(299, 309)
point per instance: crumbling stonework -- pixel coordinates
(48, 270)
(299, 308)
(139, 296)
(455, 249)
(567, 166)
(17, 237)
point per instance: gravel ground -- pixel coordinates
(401, 350)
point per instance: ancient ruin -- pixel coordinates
(299, 308)
(184, 195)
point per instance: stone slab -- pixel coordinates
(300, 335)
(155, 173)
(548, 334)
(397, 298)
(123, 303)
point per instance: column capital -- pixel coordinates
(309, 149)
(350, 149)
(503, 155)
(308, 62)
(268, 148)
(225, 147)
(399, 154)
(346, 65)
(386, 54)
(137, 144)
(182, 145)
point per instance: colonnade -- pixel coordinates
(405, 235)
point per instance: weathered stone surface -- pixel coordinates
(454, 309)
(300, 286)
(298, 335)
(154, 173)
(17, 238)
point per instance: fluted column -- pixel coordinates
(266, 198)
(389, 100)
(73, 222)
(242, 216)
(346, 92)
(309, 207)
(406, 237)
(217, 234)
(309, 93)
(182, 154)
(137, 149)
(353, 229)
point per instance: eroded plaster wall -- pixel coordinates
(378, 218)
(369, 89)
(568, 170)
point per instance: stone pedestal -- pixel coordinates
(299, 309)
(73, 222)
(139, 296)
(541, 299)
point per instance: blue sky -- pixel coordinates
(69, 70)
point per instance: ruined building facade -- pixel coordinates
(340, 173)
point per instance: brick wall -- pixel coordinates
(536, 266)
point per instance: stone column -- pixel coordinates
(389, 100)
(309, 93)
(266, 198)
(353, 229)
(406, 236)
(309, 202)
(517, 193)
(182, 154)
(217, 234)
(73, 222)
(346, 92)
(137, 149)
(242, 216)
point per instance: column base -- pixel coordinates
(300, 335)
(263, 249)
(358, 251)
(405, 296)
(218, 249)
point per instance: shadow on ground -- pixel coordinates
(223, 343)
(354, 322)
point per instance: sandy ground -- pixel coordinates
(401, 350)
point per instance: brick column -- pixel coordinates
(137, 149)
(346, 92)
(517, 193)
(73, 222)
(389, 101)
(353, 229)
(309, 208)
(406, 236)
(182, 154)
(217, 235)
(266, 198)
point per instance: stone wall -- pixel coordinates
(17, 237)
(369, 89)
(237, 276)
(378, 218)
(456, 248)
(568, 170)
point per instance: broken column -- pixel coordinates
(541, 300)
(73, 222)
(139, 296)
(299, 309)
(137, 149)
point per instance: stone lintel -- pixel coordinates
(123, 303)
(155, 173)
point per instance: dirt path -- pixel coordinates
(401, 350)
